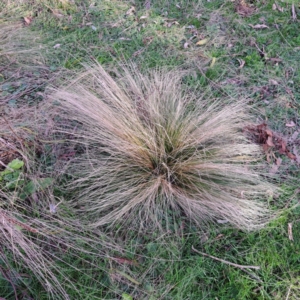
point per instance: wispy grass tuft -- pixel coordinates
(154, 154)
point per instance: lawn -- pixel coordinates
(228, 51)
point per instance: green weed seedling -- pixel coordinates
(14, 178)
(11, 176)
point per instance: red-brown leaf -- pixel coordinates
(270, 141)
(122, 260)
(290, 124)
(290, 155)
(269, 132)
(278, 161)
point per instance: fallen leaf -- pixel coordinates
(121, 260)
(270, 141)
(213, 61)
(266, 92)
(273, 82)
(278, 161)
(218, 237)
(290, 124)
(296, 154)
(289, 91)
(275, 6)
(258, 26)
(243, 9)
(28, 20)
(294, 137)
(283, 147)
(290, 155)
(170, 24)
(242, 63)
(202, 42)
(130, 11)
(269, 132)
(147, 40)
(57, 13)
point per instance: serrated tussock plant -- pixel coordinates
(154, 153)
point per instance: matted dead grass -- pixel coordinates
(36, 230)
(154, 153)
(37, 233)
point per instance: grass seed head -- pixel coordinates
(156, 153)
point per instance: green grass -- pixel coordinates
(166, 267)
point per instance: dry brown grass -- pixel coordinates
(154, 152)
(40, 237)
(19, 44)
(37, 246)
(24, 243)
(37, 229)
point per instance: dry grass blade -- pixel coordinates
(225, 261)
(154, 152)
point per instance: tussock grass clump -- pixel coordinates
(155, 153)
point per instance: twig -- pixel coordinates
(288, 294)
(262, 52)
(290, 231)
(252, 275)
(225, 261)
(294, 12)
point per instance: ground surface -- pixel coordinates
(233, 50)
